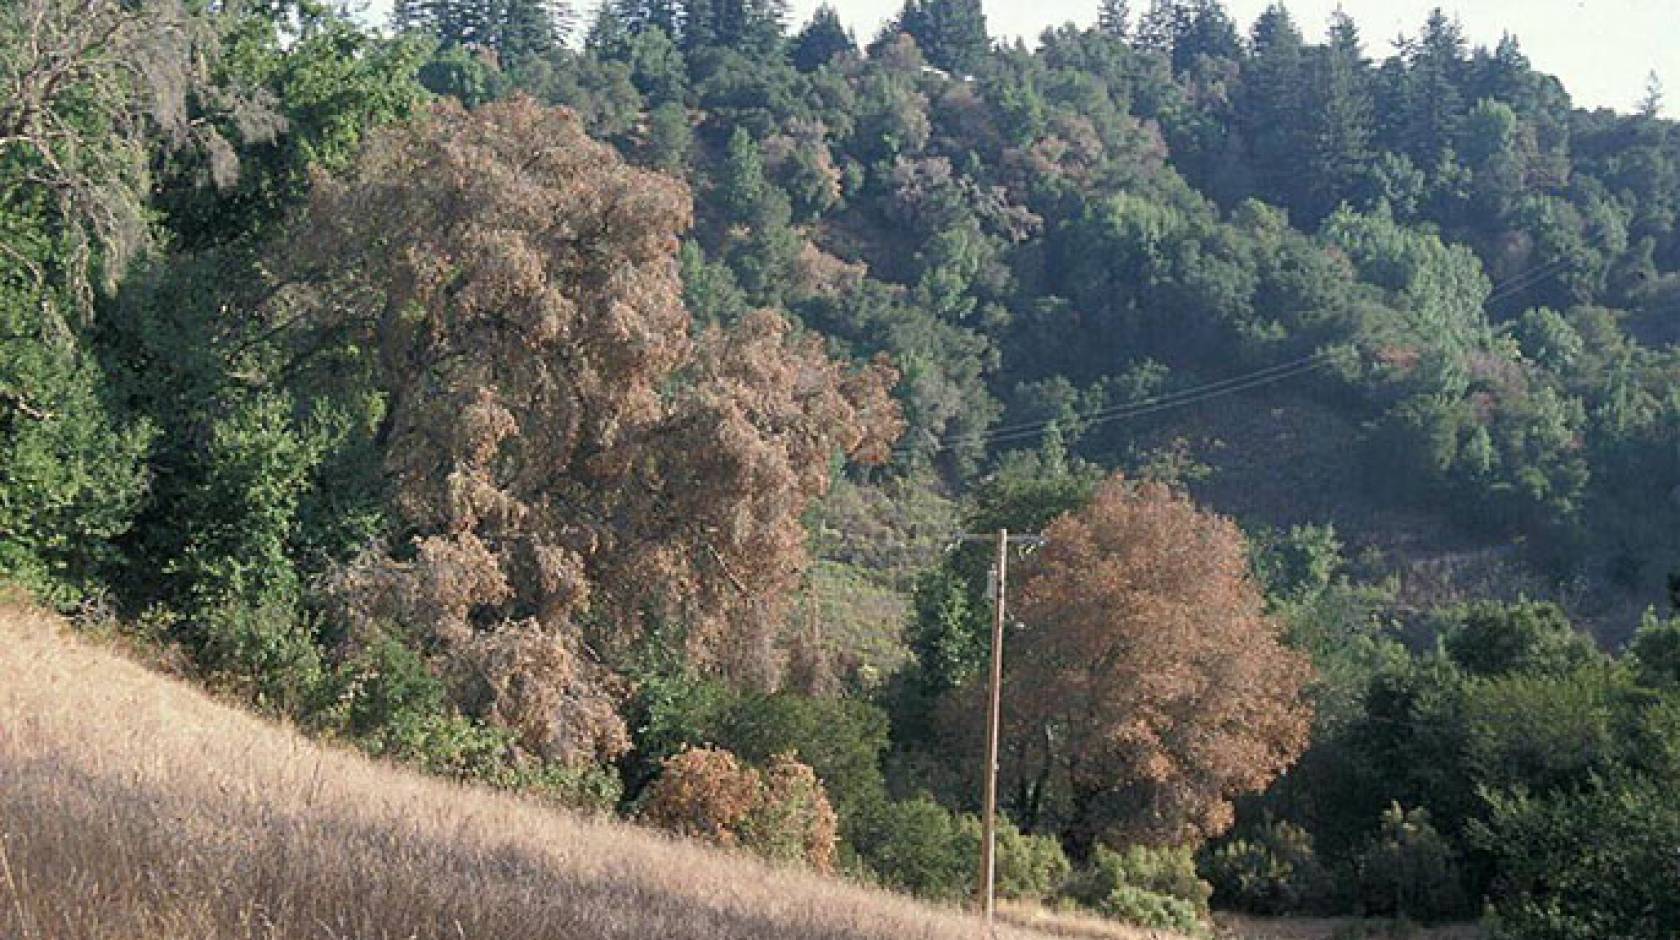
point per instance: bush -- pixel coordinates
(1143, 908)
(793, 821)
(1148, 887)
(917, 846)
(1489, 638)
(1599, 863)
(703, 793)
(783, 814)
(1273, 871)
(1029, 867)
(840, 739)
(1409, 870)
(268, 652)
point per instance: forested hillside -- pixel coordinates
(588, 406)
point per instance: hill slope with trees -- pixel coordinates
(587, 407)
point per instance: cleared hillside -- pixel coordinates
(133, 806)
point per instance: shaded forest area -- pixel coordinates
(586, 408)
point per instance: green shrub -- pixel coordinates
(1599, 863)
(1144, 908)
(387, 701)
(917, 846)
(268, 652)
(1149, 887)
(1029, 867)
(590, 788)
(1273, 871)
(1409, 870)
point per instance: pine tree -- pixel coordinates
(1114, 17)
(1651, 105)
(1212, 33)
(1340, 111)
(1164, 25)
(408, 15)
(1273, 112)
(821, 40)
(1434, 104)
(951, 33)
(512, 28)
(529, 27)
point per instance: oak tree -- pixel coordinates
(568, 465)
(1147, 687)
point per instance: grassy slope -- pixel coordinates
(133, 806)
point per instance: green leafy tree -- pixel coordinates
(1594, 863)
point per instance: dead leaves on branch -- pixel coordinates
(570, 466)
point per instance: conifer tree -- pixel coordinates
(951, 33)
(1340, 114)
(821, 40)
(1651, 105)
(1273, 114)
(1114, 17)
(1432, 100)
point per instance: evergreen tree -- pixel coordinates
(531, 27)
(1114, 17)
(511, 28)
(1274, 112)
(1651, 105)
(1165, 24)
(742, 186)
(750, 26)
(821, 40)
(1212, 33)
(1433, 104)
(1340, 114)
(951, 33)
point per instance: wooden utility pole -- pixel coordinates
(988, 834)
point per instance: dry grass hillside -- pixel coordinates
(132, 806)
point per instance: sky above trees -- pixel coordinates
(1604, 50)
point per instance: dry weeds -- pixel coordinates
(132, 806)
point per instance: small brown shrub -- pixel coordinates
(782, 813)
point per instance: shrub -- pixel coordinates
(703, 793)
(1409, 870)
(917, 846)
(782, 814)
(1029, 867)
(793, 821)
(267, 651)
(1656, 649)
(1273, 871)
(1143, 908)
(1598, 863)
(1490, 639)
(1149, 887)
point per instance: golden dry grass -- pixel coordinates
(132, 806)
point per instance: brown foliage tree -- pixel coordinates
(569, 466)
(1148, 686)
(782, 813)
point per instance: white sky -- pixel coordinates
(1602, 49)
